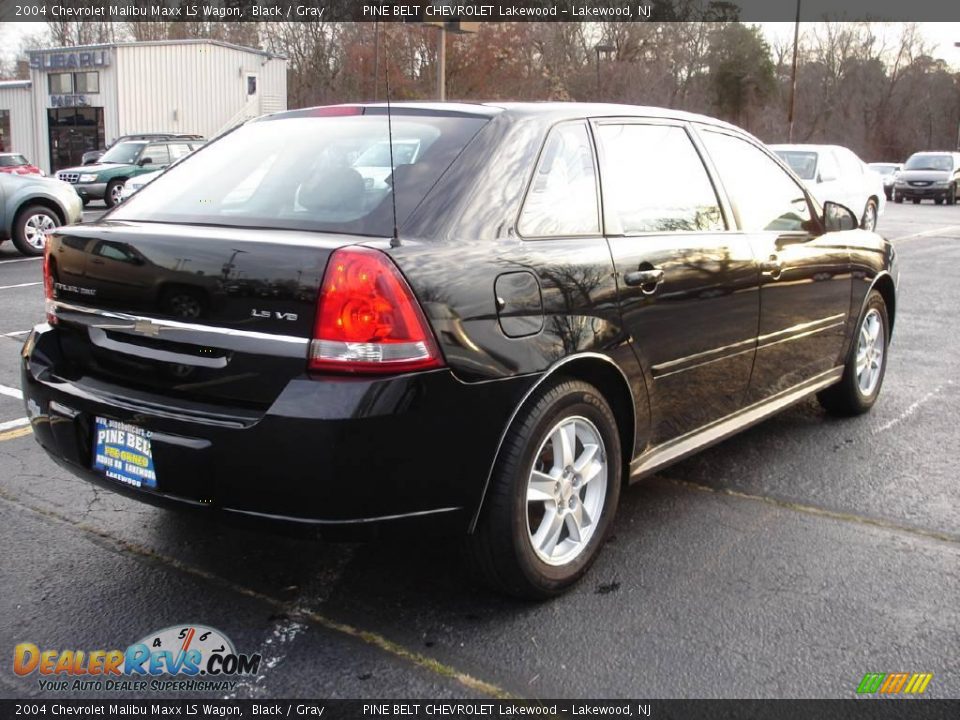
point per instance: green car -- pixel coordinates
(104, 180)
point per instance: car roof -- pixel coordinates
(554, 111)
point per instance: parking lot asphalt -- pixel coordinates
(786, 562)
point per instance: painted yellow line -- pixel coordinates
(371, 638)
(19, 432)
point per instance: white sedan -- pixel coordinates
(832, 172)
(136, 182)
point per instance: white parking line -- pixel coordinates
(925, 233)
(12, 424)
(11, 392)
(16, 333)
(16, 260)
(912, 408)
(10, 287)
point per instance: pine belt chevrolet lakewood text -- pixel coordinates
(574, 297)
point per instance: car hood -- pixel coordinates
(928, 175)
(96, 168)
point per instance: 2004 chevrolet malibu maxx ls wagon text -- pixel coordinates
(574, 297)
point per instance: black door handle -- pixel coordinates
(644, 278)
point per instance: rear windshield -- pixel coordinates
(329, 174)
(884, 169)
(929, 162)
(803, 163)
(12, 160)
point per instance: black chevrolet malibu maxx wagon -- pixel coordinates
(492, 316)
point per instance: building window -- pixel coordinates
(60, 83)
(5, 131)
(251, 84)
(87, 82)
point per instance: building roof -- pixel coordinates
(139, 43)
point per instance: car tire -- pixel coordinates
(113, 194)
(938, 201)
(529, 541)
(889, 196)
(898, 199)
(916, 201)
(866, 363)
(952, 196)
(869, 219)
(30, 226)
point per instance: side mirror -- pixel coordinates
(145, 161)
(837, 218)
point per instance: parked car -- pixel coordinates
(137, 182)
(91, 156)
(17, 164)
(31, 206)
(104, 181)
(501, 364)
(835, 173)
(888, 173)
(929, 175)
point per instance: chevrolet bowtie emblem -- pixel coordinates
(146, 327)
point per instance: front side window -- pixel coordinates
(13, 161)
(766, 197)
(562, 198)
(655, 181)
(157, 154)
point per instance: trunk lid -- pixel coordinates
(204, 314)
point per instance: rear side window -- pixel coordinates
(157, 154)
(326, 173)
(766, 197)
(562, 198)
(655, 181)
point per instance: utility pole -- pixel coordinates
(442, 64)
(793, 76)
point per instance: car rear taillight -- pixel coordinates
(48, 283)
(368, 320)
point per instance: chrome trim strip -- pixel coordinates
(174, 324)
(801, 330)
(99, 338)
(657, 376)
(356, 521)
(546, 374)
(679, 448)
(801, 335)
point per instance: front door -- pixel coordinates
(73, 131)
(805, 274)
(687, 286)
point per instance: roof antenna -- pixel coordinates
(395, 240)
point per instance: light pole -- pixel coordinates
(793, 75)
(957, 45)
(601, 48)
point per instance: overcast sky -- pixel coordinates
(943, 34)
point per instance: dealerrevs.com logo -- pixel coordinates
(177, 658)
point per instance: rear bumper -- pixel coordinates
(328, 453)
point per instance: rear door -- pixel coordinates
(805, 274)
(687, 286)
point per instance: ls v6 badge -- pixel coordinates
(277, 314)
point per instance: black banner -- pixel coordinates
(453, 11)
(119, 709)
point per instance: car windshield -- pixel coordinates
(124, 153)
(305, 173)
(803, 163)
(929, 162)
(12, 160)
(883, 168)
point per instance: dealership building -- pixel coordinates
(80, 98)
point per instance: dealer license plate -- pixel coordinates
(123, 452)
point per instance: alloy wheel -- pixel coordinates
(566, 490)
(36, 228)
(870, 349)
